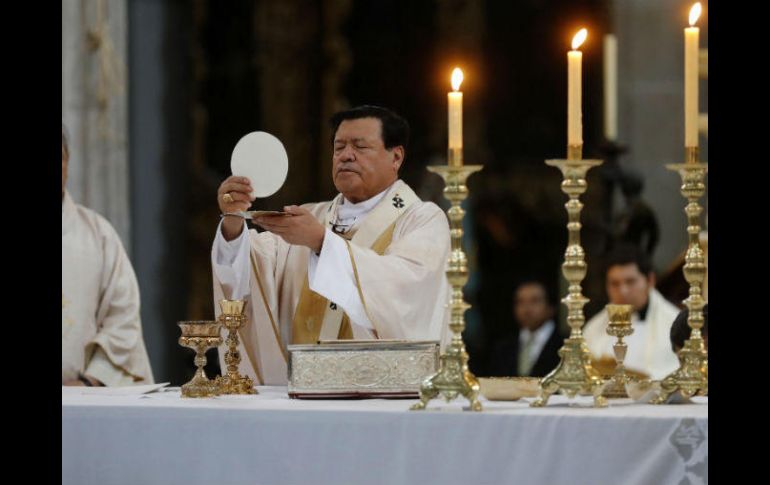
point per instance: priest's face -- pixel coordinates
(361, 165)
(626, 285)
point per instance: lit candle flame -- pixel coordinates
(457, 78)
(695, 13)
(579, 38)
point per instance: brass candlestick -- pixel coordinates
(233, 317)
(453, 377)
(692, 376)
(200, 336)
(574, 374)
(620, 327)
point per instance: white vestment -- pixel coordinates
(101, 331)
(386, 275)
(649, 347)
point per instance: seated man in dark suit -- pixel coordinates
(533, 351)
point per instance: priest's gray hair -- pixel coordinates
(65, 137)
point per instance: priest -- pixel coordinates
(368, 264)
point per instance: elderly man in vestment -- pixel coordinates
(368, 264)
(631, 281)
(101, 331)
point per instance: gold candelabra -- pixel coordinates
(232, 318)
(453, 377)
(692, 375)
(574, 374)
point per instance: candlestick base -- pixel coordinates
(574, 375)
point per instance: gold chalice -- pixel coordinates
(200, 335)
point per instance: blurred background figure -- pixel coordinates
(533, 349)
(637, 223)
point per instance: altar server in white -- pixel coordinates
(631, 281)
(101, 332)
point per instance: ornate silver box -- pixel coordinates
(361, 368)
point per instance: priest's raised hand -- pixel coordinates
(234, 195)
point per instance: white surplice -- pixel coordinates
(649, 347)
(101, 327)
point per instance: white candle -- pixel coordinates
(610, 87)
(691, 51)
(455, 99)
(574, 86)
